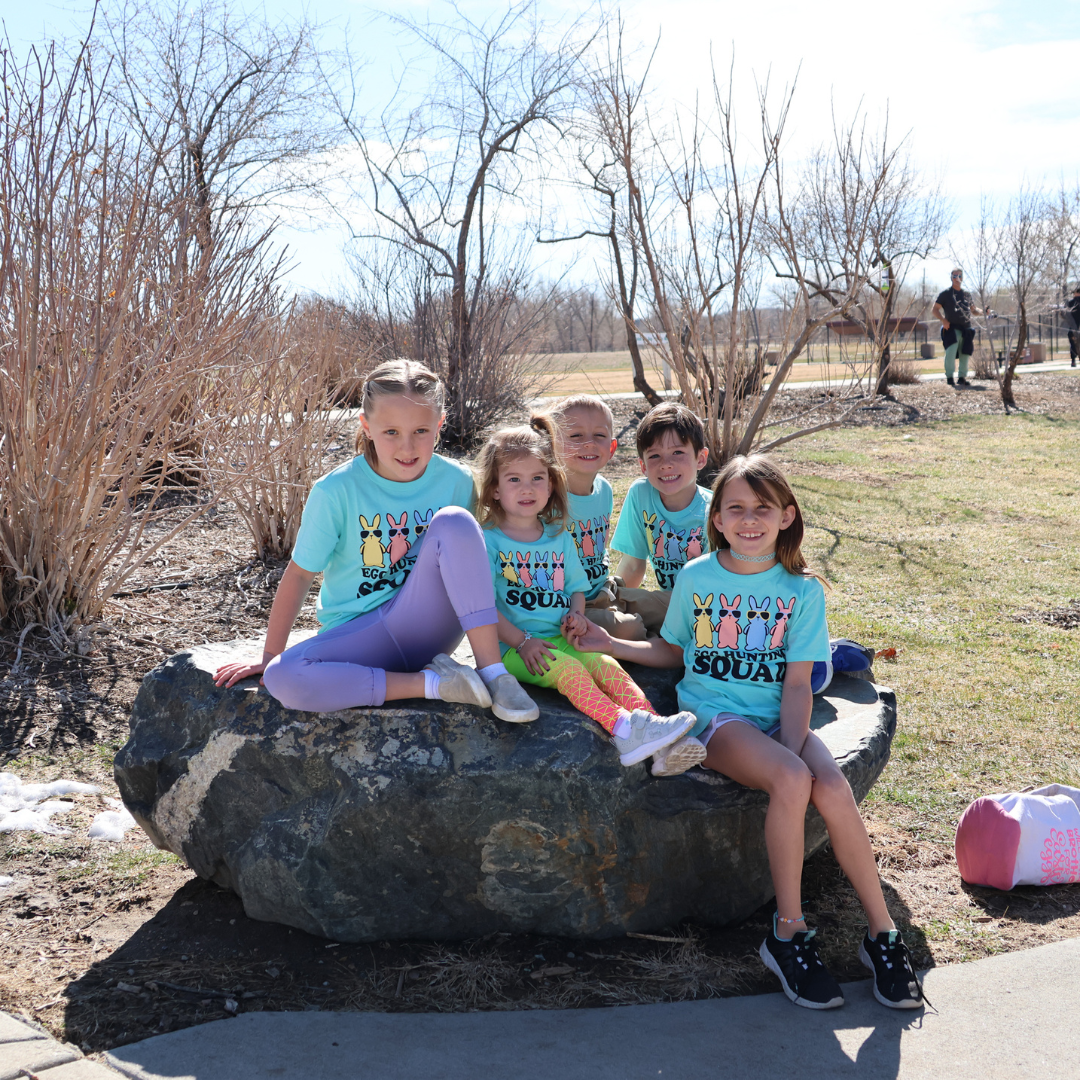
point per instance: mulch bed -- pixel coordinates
(105, 945)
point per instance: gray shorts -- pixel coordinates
(720, 719)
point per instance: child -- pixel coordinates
(587, 443)
(748, 681)
(662, 520)
(405, 572)
(540, 591)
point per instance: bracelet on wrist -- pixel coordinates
(527, 637)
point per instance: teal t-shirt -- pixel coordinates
(534, 582)
(738, 632)
(364, 532)
(589, 524)
(668, 539)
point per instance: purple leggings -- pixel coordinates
(448, 592)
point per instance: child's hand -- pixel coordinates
(535, 655)
(229, 674)
(592, 639)
(574, 623)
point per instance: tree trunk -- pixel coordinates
(641, 384)
(626, 309)
(1007, 397)
(885, 357)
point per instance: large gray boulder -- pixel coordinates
(428, 820)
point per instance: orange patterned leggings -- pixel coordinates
(595, 683)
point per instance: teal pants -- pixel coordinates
(951, 352)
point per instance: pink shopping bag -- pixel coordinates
(1026, 838)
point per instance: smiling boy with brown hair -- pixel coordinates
(662, 520)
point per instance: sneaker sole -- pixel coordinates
(769, 961)
(446, 665)
(640, 753)
(516, 716)
(682, 760)
(907, 1003)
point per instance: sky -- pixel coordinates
(986, 91)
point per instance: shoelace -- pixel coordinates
(897, 947)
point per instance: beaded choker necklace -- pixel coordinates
(752, 558)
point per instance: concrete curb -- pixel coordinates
(27, 1050)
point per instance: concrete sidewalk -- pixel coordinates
(1014, 1016)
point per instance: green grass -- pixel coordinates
(933, 539)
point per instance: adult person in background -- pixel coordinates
(1073, 308)
(954, 308)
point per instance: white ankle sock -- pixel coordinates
(431, 684)
(622, 726)
(492, 672)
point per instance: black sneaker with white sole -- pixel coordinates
(895, 982)
(805, 979)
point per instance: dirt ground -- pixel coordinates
(106, 943)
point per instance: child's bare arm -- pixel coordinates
(632, 571)
(796, 703)
(654, 652)
(291, 592)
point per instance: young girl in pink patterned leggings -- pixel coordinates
(540, 588)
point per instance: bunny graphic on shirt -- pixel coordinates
(506, 563)
(558, 572)
(728, 628)
(588, 546)
(757, 624)
(372, 549)
(703, 627)
(783, 613)
(650, 521)
(541, 577)
(524, 566)
(693, 544)
(399, 536)
(422, 522)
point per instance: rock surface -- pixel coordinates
(426, 820)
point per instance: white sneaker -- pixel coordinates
(509, 702)
(650, 733)
(681, 755)
(457, 682)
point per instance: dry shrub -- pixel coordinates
(903, 373)
(114, 325)
(983, 364)
(286, 383)
(405, 309)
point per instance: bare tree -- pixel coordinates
(446, 172)
(616, 143)
(1064, 265)
(865, 214)
(1025, 252)
(230, 101)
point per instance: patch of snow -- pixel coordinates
(22, 809)
(111, 825)
(6, 881)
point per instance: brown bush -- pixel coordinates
(285, 383)
(114, 329)
(903, 373)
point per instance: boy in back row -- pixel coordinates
(662, 520)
